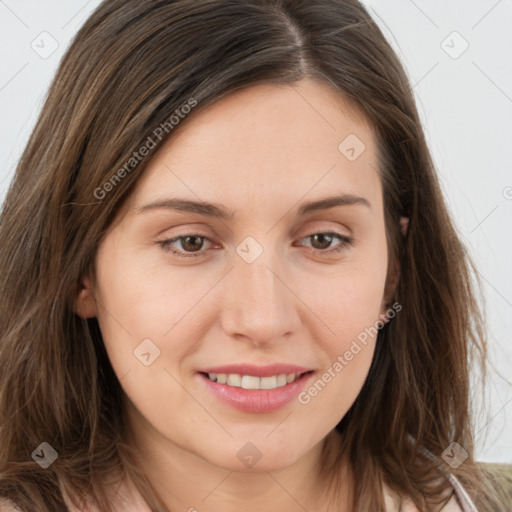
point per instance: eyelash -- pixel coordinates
(345, 242)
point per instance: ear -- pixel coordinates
(404, 225)
(391, 282)
(85, 305)
(394, 274)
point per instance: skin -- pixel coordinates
(261, 152)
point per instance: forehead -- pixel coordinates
(265, 144)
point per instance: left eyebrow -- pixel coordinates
(219, 211)
(332, 202)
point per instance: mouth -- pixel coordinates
(255, 393)
(236, 380)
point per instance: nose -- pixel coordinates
(258, 302)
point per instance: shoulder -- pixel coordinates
(393, 504)
(129, 499)
(451, 506)
(8, 506)
(126, 498)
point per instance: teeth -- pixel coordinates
(234, 380)
(252, 382)
(268, 382)
(281, 380)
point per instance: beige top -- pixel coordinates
(129, 500)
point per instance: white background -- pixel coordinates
(465, 104)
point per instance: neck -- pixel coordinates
(184, 481)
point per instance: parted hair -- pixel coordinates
(130, 67)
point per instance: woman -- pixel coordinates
(310, 350)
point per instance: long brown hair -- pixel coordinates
(130, 68)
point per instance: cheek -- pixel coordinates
(347, 357)
(145, 323)
(349, 305)
(348, 300)
(144, 299)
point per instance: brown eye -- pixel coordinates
(322, 242)
(186, 246)
(192, 243)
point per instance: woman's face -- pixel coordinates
(268, 282)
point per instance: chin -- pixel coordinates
(256, 457)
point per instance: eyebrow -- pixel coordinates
(221, 212)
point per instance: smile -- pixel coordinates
(252, 382)
(255, 394)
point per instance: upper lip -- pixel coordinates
(257, 371)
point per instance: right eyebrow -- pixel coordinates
(186, 205)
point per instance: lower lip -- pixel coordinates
(257, 400)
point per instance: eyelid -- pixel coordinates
(168, 241)
(345, 241)
(325, 230)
